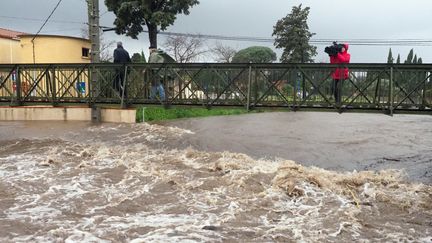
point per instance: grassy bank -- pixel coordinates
(160, 113)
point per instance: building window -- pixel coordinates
(85, 52)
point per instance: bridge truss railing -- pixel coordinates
(386, 87)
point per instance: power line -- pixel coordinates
(41, 20)
(359, 42)
(370, 42)
(103, 13)
(49, 16)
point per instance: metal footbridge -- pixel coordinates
(386, 88)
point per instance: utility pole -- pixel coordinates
(93, 21)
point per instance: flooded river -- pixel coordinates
(270, 177)
(342, 142)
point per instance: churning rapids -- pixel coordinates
(358, 177)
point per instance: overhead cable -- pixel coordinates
(49, 16)
(370, 42)
(42, 20)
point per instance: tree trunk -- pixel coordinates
(152, 32)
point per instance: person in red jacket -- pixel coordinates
(339, 74)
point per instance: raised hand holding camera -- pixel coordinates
(334, 49)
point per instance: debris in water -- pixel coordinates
(210, 227)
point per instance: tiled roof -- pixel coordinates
(9, 34)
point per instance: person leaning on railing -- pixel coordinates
(339, 74)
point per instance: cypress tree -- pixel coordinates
(409, 59)
(390, 58)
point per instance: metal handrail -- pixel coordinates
(384, 87)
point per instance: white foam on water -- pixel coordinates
(151, 220)
(82, 236)
(77, 191)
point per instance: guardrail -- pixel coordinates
(381, 87)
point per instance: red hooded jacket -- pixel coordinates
(344, 57)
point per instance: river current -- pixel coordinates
(271, 177)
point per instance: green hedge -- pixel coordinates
(159, 113)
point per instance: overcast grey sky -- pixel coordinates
(329, 19)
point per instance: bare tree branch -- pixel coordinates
(223, 54)
(184, 49)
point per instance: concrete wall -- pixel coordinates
(47, 113)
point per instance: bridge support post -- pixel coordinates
(423, 94)
(249, 87)
(18, 86)
(52, 86)
(294, 78)
(95, 114)
(391, 92)
(123, 88)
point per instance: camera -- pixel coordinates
(334, 49)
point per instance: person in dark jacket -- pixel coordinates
(121, 56)
(339, 74)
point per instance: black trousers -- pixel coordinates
(337, 89)
(118, 82)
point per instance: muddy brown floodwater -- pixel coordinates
(342, 142)
(270, 177)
